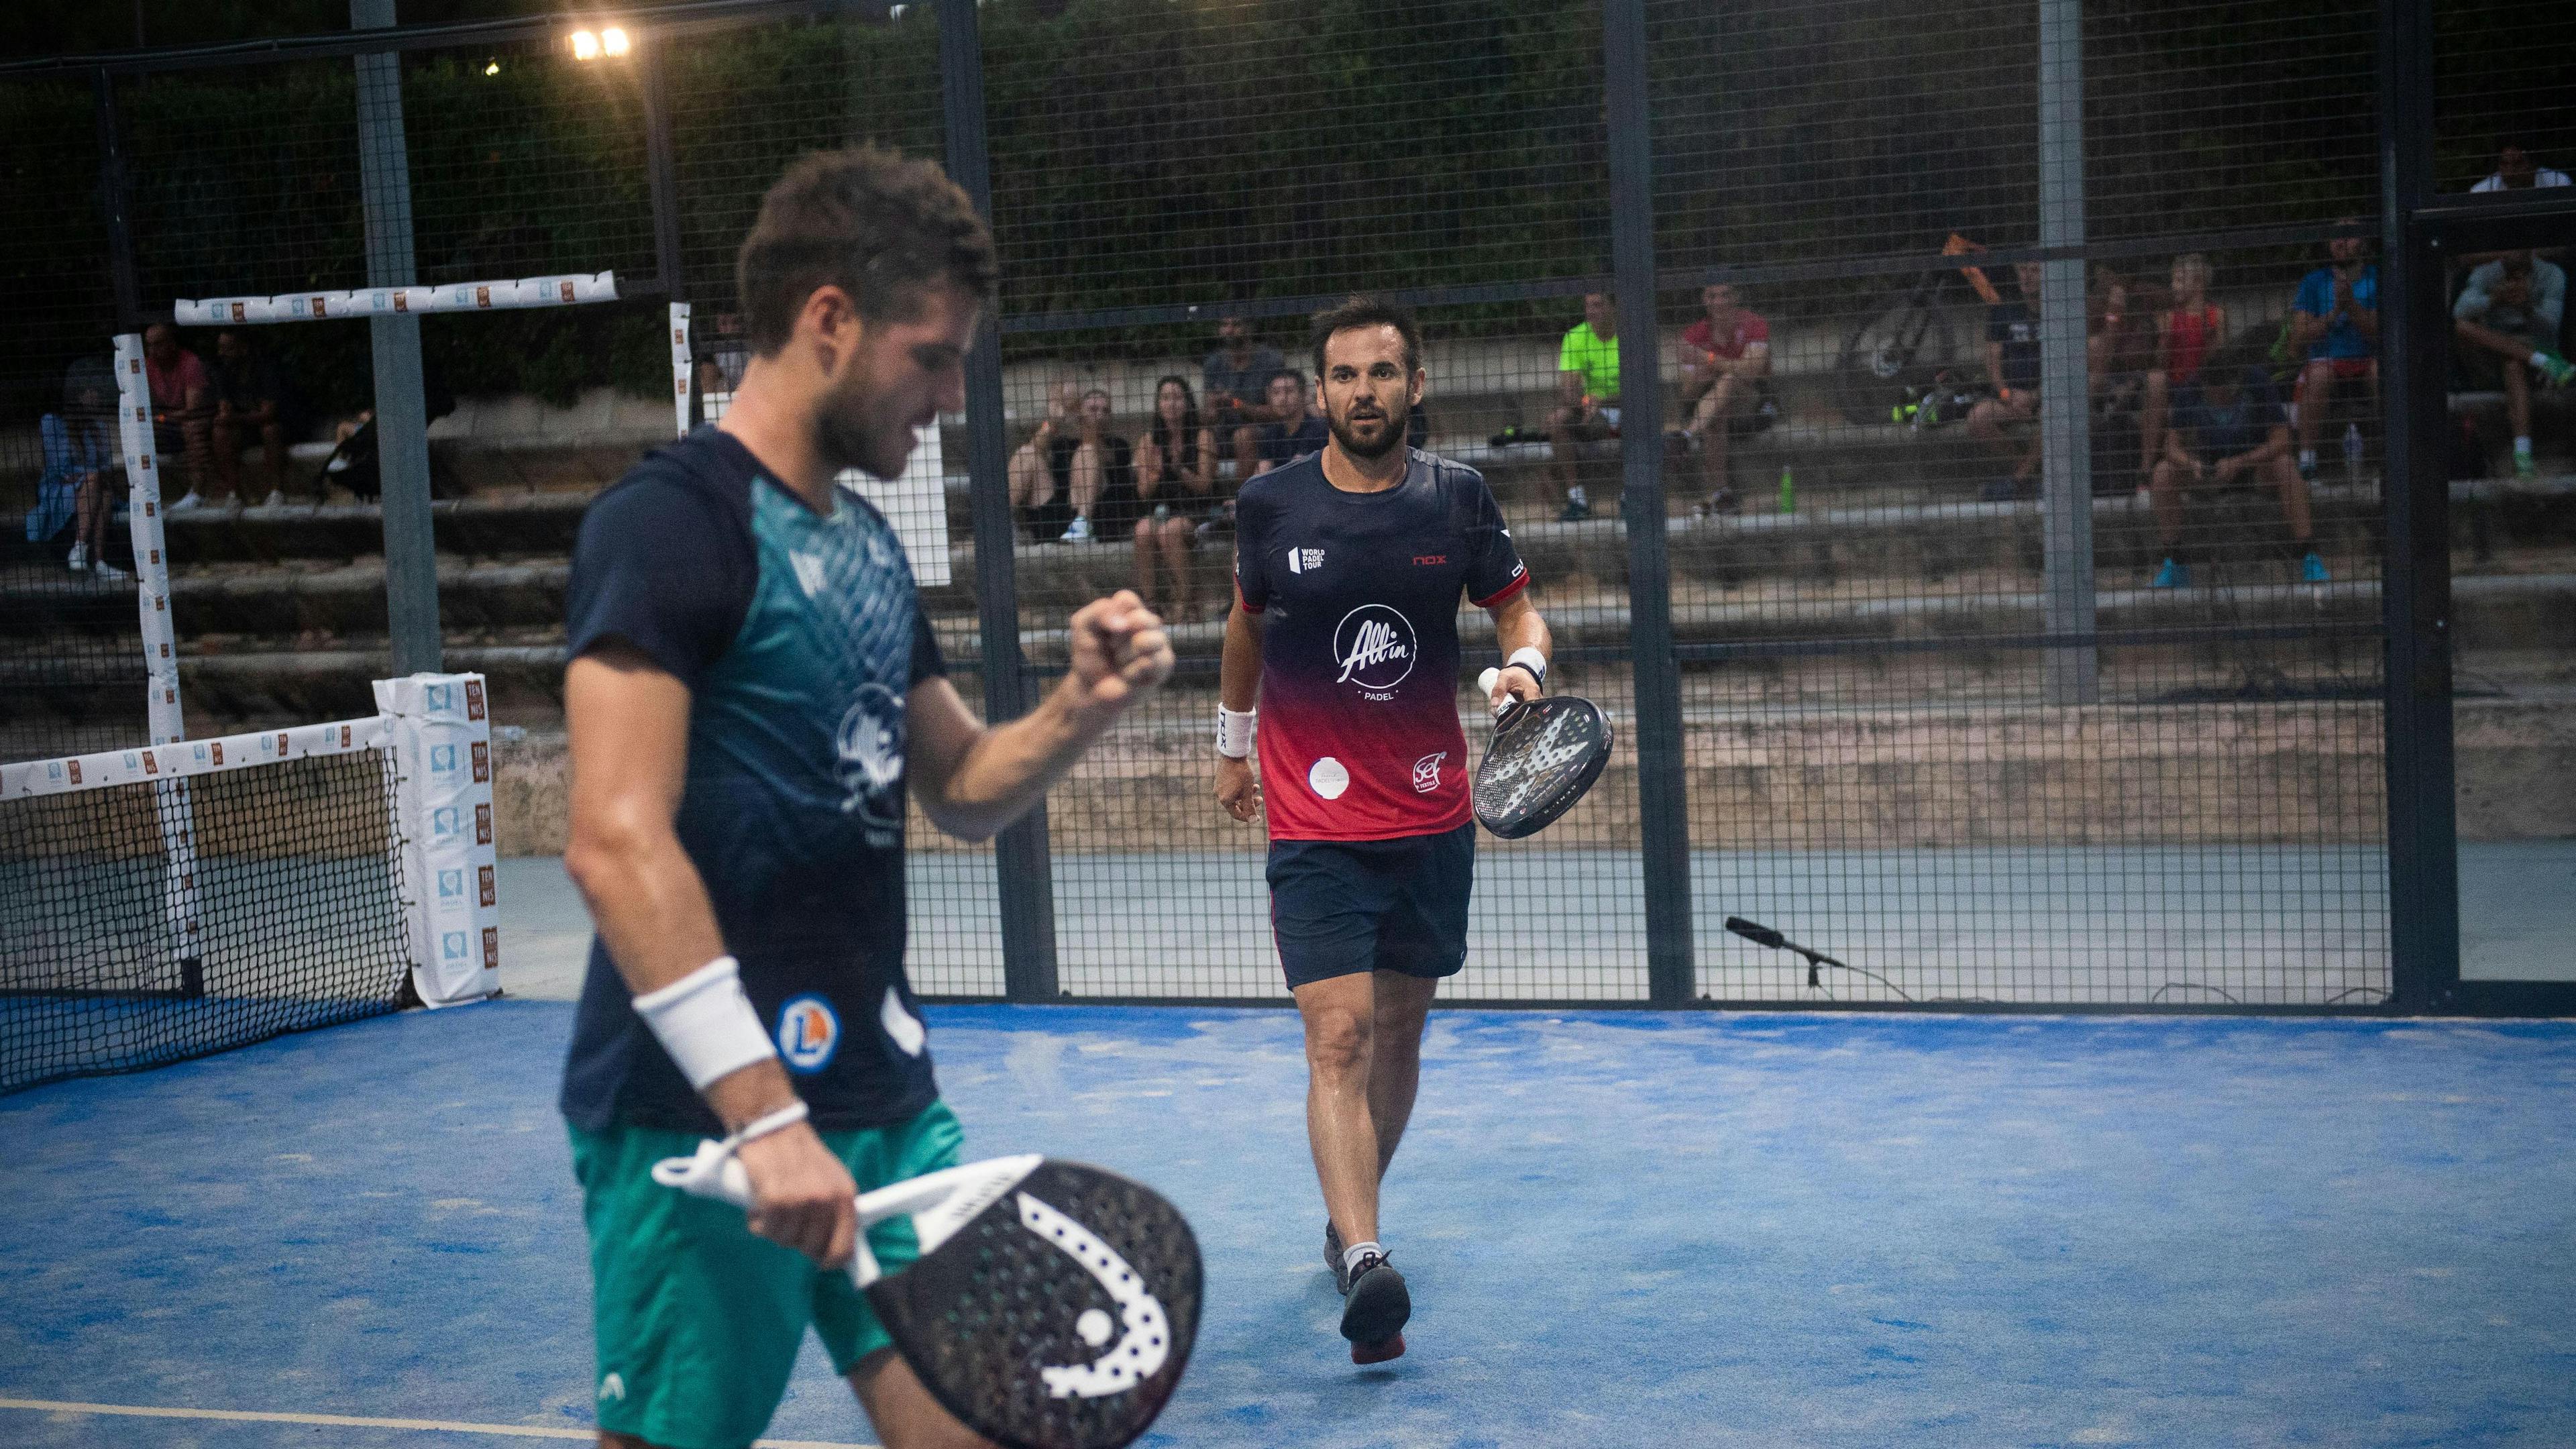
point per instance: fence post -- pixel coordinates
(2071, 675)
(1020, 853)
(402, 423)
(2415, 593)
(113, 203)
(661, 175)
(1664, 821)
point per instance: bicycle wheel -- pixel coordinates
(1901, 342)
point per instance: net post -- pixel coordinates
(1021, 864)
(1663, 820)
(113, 204)
(684, 382)
(2071, 675)
(402, 424)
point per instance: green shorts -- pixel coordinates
(698, 1321)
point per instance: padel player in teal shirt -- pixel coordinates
(752, 688)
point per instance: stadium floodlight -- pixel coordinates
(585, 46)
(612, 41)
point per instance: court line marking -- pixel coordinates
(352, 1421)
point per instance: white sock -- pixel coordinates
(2522, 446)
(1575, 495)
(2307, 457)
(1351, 1255)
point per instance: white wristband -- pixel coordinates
(1234, 731)
(705, 1022)
(1528, 657)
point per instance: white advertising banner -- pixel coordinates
(683, 377)
(441, 735)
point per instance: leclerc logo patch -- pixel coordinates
(808, 1033)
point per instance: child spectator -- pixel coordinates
(2184, 336)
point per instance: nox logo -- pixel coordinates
(1305, 560)
(1374, 646)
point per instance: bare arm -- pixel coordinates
(1202, 479)
(972, 779)
(1238, 688)
(628, 722)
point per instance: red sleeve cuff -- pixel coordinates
(1505, 592)
(1240, 602)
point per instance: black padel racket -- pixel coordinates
(1545, 754)
(1053, 1305)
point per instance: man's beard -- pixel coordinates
(845, 438)
(1393, 440)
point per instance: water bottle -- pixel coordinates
(2352, 449)
(1788, 491)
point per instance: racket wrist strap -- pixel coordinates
(759, 1127)
(706, 1023)
(1234, 731)
(1528, 657)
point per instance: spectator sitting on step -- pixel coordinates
(2507, 323)
(1726, 380)
(1176, 491)
(2184, 336)
(1236, 381)
(2227, 426)
(2515, 171)
(1587, 400)
(1075, 471)
(1297, 431)
(80, 462)
(2012, 369)
(2334, 322)
(183, 412)
(250, 401)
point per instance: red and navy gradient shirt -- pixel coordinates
(1358, 594)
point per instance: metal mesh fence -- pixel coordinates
(2021, 500)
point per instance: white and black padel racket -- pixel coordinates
(1053, 1305)
(1546, 753)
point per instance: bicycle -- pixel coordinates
(1905, 341)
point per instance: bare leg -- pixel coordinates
(1176, 534)
(1709, 422)
(272, 450)
(227, 442)
(2151, 421)
(1032, 485)
(1086, 478)
(2164, 492)
(1144, 569)
(1340, 1014)
(2294, 502)
(2316, 390)
(1395, 1058)
(903, 1413)
(199, 436)
(2517, 398)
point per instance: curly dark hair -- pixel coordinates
(883, 227)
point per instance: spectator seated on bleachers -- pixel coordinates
(2185, 335)
(251, 403)
(1726, 387)
(183, 414)
(1297, 431)
(1176, 491)
(73, 496)
(1074, 474)
(1236, 381)
(2003, 422)
(2334, 329)
(2228, 426)
(2507, 321)
(2516, 171)
(1586, 415)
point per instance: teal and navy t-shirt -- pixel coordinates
(799, 636)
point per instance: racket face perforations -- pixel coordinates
(1016, 1324)
(1545, 755)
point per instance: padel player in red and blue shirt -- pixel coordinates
(1349, 565)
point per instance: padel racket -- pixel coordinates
(1053, 1305)
(1546, 753)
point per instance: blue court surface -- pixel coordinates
(1623, 1229)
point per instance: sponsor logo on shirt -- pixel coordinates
(808, 1032)
(1427, 559)
(1328, 778)
(871, 750)
(1305, 560)
(1375, 648)
(1426, 773)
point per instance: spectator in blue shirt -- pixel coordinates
(80, 457)
(2230, 426)
(2507, 322)
(2334, 325)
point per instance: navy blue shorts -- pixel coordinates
(1338, 907)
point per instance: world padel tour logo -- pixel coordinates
(808, 1032)
(1374, 646)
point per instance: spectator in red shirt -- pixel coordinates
(1726, 370)
(2184, 336)
(183, 409)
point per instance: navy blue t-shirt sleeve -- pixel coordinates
(1494, 568)
(927, 661)
(1251, 546)
(659, 566)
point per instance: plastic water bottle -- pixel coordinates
(2352, 449)
(1788, 491)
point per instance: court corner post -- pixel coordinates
(402, 421)
(1663, 819)
(1023, 871)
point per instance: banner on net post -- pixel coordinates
(681, 371)
(441, 735)
(143, 523)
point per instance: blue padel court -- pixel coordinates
(1621, 1228)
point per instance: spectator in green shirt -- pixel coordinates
(1587, 390)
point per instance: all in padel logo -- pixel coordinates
(1374, 647)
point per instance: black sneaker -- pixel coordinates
(1333, 1258)
(1375, 1310)
(1574, 512)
